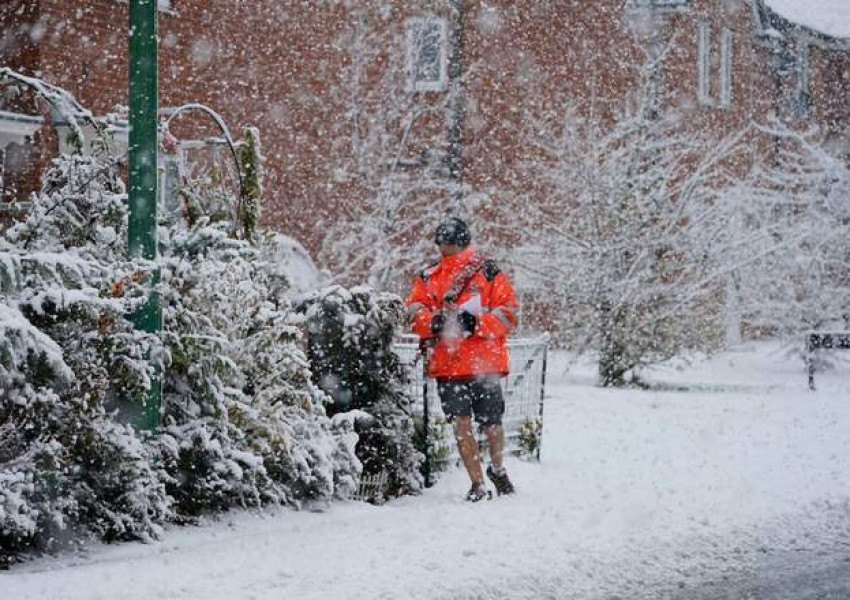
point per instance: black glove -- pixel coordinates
(467, 321)
(438, 323)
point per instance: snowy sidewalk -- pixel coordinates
(635, 490)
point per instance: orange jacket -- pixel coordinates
(488, 294)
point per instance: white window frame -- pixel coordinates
(804, 103)
(414, 26)
(704, 63)
(2, 178)
(727, 45)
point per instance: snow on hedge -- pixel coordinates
(243, 423)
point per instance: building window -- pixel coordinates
(427, 54)
(704, 64)
(804, 99)
(726, 63)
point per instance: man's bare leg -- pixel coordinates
(467, 445)
(496, 471)
(496, 443)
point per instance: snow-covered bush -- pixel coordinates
(622, 235)
(439, 452)
(251, 167)
(243, 422)
(794, 276)
(70, 360)
(350, 349)
(82, 204)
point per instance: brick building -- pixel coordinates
(302, 71)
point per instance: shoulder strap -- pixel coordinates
(464, 278)
(425, 273)
(490, 270)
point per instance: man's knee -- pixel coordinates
(463, 422)
(489, 429)
(463, 426)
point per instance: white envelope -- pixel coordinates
(472, 306)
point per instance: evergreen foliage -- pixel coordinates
(69, 357)
(243, 422)
(350, 347)
(251, 165)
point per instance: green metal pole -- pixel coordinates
(142, 239)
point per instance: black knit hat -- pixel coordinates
(452, 230)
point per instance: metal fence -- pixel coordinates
(523, 391)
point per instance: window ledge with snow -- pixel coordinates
(657, 4)
(163, 6)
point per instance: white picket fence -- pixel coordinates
(372, 487)
(523, 391)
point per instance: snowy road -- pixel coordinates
(809, 582)
(661, 494)
(820, 575)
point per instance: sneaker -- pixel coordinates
(500, 480)
(477, 492)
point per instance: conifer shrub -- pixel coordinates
(243, 424)
(68, 356)
(350, 336)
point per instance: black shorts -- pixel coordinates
(480, 397)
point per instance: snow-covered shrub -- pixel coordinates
(795, 274)
(82, 204)
(70, 359)
(440, 444)
(31, 368)
(243, 422)
(350, 348)
(287, 423)
(530, 433)
(251, 167)
(625, 234)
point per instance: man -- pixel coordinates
(465, 306)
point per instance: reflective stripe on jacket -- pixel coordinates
(492, 300)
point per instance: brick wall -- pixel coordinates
(279, 65)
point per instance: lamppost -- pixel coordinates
(142, 176)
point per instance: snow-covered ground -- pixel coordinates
(726, 462)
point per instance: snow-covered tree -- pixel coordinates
(396, 159)
(624, 231)
(350, 347)
(795, 212)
